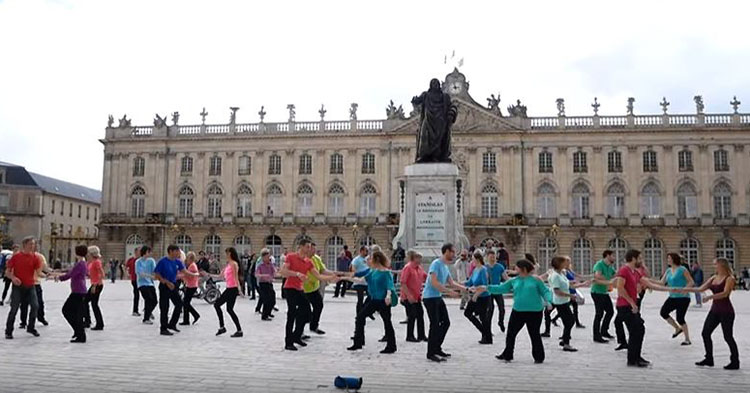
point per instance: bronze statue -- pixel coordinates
(437, 114)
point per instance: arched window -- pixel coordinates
(367, 197)
(722, 201)
(245, 166)
(184, 242)
(616, 200)
(687, 201)
(689, 249)
(299, 238)
(185, 208)
(214, 201)
(273, 244)
(581, 195)
(213, 246)
(725, 249)
(366, 241)
(139, 166)
(134, 240)
(651, 201)
(336, 200)
(242, 244)
(131, 243)
(337, 164)
(214, 168)
(244, 201)
(546, 201)
(489, 242)
(304, 200)
(653, 256)
(620, 247)
(186, 165)
(138, 202)
(489, 201)
(305, 164)
(582, 256)
(546, 250)
(334, 245)
(274, 164)
(273, 201)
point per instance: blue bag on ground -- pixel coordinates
(348, 382)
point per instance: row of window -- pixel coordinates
(59, 230)
(654, 256)
(53, 209)
(274, 165)
(650, 201)
(274, 200)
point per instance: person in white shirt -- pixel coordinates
(462, 272)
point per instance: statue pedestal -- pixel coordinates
(431, 209)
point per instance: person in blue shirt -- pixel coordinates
(478, 310)
(439, 282)
(358, 266)
(677, 276)
(497, 275)
(166, 273)
(144, 271)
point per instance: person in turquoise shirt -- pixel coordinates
(380, 287)
(478, 310)
(497, 275)
(677, 276)
(529, 295)
(144, 271)
(563, 294)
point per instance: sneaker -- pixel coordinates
(33, 332)
(502, 357)
(136, 314)
(301, 343)
(166, 333)
(236, 334)
(221, 331)
(621, 347)
(686, 343)
(148, 322)
(318, 331)
(290, 347)
(705, 363)
(435, 358)
(173, 328)
(44, 322)
(568, 348)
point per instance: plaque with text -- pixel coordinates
(430, 220)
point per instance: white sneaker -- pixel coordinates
(148, 322)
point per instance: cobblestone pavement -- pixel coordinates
(130, 357)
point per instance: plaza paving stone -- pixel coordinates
(128, 356)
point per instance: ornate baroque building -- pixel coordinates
(564, 184)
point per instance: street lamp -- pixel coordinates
(355, 232)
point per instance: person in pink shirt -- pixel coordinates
(191, 277)
(413, 277)
(229, 296)
(96, 275)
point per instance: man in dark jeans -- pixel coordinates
(166, 273)
(22, 270)
(342, 266)
(604, 271)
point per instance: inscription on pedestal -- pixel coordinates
(430, 220)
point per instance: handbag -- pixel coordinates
(348, 382)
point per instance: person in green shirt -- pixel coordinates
(529, 295)
(604, 271)
(311, 286)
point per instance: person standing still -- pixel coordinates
(112, 270)
(462, 268)
(697, 272)
(342, 267)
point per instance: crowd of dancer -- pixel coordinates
(480, 282)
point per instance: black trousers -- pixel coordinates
(297, 315)
(267, 298)
(165, 296)
(568, 319)
(189, 310)
(252, 287)
(440, 322)
(73, 312)
(93, 300)
(316, 302)
(7, 282)
(533, 322)
(415, 315)
(636, 332)
(149, 300)
(341, 287)
(229, 296)
(602, 315)
(362, 296)
(283, 290)
(40, 306)
(500, 302)
(678, 304)
(726, 320)
(17, 295)
(477, 312)
(136, 295)
(385, 314)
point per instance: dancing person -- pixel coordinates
(22, 269)
(96, 277)
(144, 270)
(112, 270)
(265, 271)
(38, 276)
(359, 266)
(380, 288)
(73, 308)
(130, 264)
(604, 271)
(295, 269)
(721, 313)
(677, 276)
(563, 294)
(166, 273)
(697, 272)
(190, 276)
(462, 266)
(497, 273)
(342, 265)
(439, 282)
(412, 279)
(478, 309)
(311, 286)
(250, 280)
(529, 297)
(229, 296)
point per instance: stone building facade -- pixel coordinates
(575, 185)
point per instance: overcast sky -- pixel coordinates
(66, 64)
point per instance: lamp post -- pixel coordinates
(355, 233)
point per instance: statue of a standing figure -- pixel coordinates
(436, 117)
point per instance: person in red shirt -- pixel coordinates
(295, 269)
(22, 270)
(96, 274)
(130, 264)
(413, 277)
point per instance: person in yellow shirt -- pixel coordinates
(313, 293)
